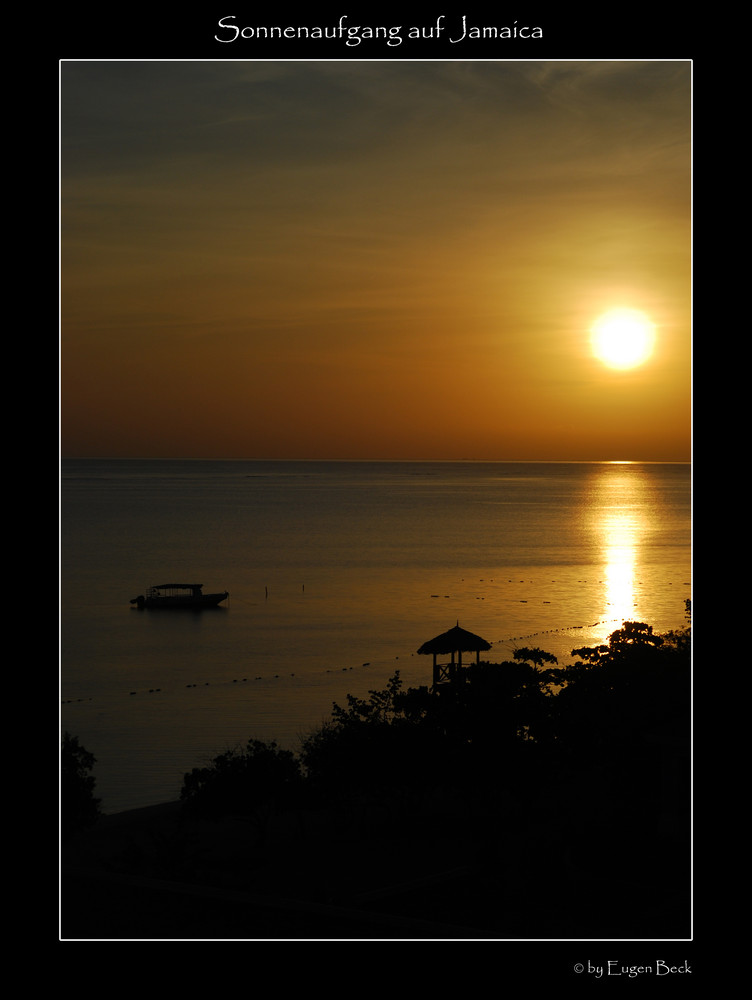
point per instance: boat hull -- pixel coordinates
(173, 603)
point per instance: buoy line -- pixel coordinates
(341, 670)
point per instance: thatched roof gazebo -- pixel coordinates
(456, 641)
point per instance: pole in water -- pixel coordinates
(266, 592)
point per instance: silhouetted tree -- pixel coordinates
(681, 639)
(379, 747)
(627, 644)
(243, 782)
(78, 806)
(472, 733)
(624, 711)
(535, 656)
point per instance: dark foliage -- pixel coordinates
(474, 735)
(78, 806)
(635, 690)
(384, 746)
(243, 782)
(596, 754)
(516, 728)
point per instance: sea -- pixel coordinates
(337, 573)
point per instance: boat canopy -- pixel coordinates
(178, 595)
(176, 590)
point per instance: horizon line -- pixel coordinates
(454, 461)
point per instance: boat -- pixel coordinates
(178, 595)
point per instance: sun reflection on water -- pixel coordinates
(619, 524)
(620, 538)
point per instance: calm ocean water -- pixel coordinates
(337, 573)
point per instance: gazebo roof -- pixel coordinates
(456, 640)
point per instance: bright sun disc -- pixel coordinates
(622, 338)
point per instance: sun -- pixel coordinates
(622, 338)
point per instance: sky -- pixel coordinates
(373, 260)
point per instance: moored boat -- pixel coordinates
(178, 595)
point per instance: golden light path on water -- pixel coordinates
(620, 525)
(620, 555)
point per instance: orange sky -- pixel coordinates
(388, 260)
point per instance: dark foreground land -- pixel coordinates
(152, 874)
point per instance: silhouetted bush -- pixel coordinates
(634, 688)
(78, 806)
(473, 735)
(379, 748)
(243, 782)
